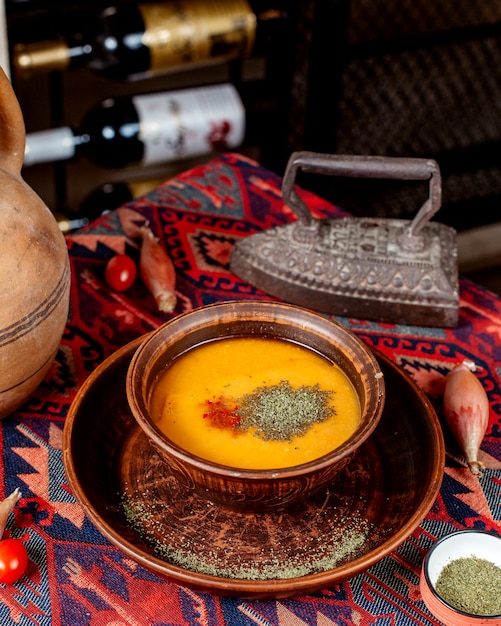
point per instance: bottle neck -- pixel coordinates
(46, 40)
(56, 144)
(29, 59)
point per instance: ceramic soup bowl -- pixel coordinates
(231, 482)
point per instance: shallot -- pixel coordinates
(13, 553)
(157, 271)
(466, 408)
(6, 508)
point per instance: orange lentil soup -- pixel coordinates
(212, 379)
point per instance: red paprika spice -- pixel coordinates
(222, 413)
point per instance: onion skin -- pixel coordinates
(157, 271)
(6, 508)
(466, 408)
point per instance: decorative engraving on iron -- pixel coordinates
(359, 257)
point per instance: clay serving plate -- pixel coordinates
(136, 502)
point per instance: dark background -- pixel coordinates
(413, 78)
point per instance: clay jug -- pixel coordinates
(34, 269)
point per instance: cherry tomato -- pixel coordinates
(121, 272)
(13, 560)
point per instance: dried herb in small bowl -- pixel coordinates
(472, 585)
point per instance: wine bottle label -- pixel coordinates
(57, 144)
(189, 122)
(184, 33)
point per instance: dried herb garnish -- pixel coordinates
(276, 412)
(237, 557)
(280, 412)
(471, 584)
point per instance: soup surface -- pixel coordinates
(204, 400)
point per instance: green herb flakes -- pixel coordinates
(241, 557)
(280, 412)
(471, 584)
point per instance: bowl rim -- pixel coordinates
(431, 586)
(341, 452)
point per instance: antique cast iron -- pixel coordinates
(381, 269)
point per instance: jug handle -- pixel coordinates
(12, 129)
(356, 166)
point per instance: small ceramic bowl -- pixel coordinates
(236, 487)
(461, 544)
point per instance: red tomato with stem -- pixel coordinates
(13, 560)
(121, 272)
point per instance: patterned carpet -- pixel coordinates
(76, 576)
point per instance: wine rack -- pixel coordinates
(397, 78)
(63, 97)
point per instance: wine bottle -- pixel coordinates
(69, 223)
(113, 194)
(129, 41)
(43, 28)
(103, 199)
(147, 129)
(29, 59)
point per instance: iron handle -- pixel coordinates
(355, 166)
